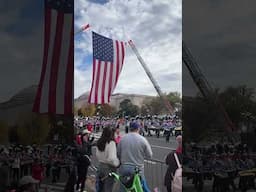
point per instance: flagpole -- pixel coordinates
(155, 84)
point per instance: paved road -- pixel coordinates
(160, 147)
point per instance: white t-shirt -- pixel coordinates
(109, 155)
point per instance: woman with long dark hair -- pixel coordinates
(106, 154)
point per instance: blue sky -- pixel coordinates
(155, 27)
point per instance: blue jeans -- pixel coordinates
(107, 183)
(129, 169)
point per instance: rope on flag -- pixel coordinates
(108, 59)
(55, 90)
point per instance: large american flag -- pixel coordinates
(108, 59)
(55, 90)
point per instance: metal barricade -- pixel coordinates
(154, 172)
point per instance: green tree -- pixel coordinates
(145, 109)
(88, 110)
(33, 128)
(153, 107)
(174, 97)
(79, 112)
(202, 118)
(238, 101)
(107, 110)
(75, 110)
(157, 105)
(127, 108)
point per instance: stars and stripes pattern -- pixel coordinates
(55, 89)
(108, 59)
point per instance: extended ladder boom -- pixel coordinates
(203, 84)
(155, 84)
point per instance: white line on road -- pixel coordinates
(161, 147)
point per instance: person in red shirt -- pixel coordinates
(179, 141)
(90, 127)
(37, 171)
(78, 139)
(117, 135)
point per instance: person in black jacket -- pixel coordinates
(83, 159)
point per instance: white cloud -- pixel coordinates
(154, 26)
(21, 47)
(221, 43)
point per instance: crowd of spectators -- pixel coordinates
(218, 161)
(40, 163)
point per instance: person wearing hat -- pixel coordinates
(132, 151)
(27, 184)
(83, 158)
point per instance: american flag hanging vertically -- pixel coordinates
(55, 90)
(108, 59)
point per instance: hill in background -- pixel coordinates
(23, 101)
(116, 99)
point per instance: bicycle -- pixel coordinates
(131, 182)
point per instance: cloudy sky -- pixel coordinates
(154, 26)
(221, 36)
(21, 45)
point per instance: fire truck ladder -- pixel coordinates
(203, 85)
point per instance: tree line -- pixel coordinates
(201, 118)
(153, 106)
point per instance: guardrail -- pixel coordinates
(155, 171)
